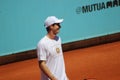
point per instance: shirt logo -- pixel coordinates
(57, 50)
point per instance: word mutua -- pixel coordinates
(98, 6)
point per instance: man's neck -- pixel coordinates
(51, 35)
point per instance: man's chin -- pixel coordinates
(56, 33)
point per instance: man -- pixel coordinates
(49, 51)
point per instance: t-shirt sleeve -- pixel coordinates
(41, 52)
(59, 39)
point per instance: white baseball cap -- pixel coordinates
(51, 20)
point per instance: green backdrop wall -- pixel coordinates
(21, 21)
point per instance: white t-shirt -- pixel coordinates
(51, 51)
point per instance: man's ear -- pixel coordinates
(51, 27)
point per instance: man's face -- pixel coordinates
(55, 28)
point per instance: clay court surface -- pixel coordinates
(100, 62)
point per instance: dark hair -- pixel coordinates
(48, 28)
(57, 24)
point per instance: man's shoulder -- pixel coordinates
(42, 41)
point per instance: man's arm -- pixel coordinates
(44, 68)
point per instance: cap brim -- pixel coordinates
(59, 21)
